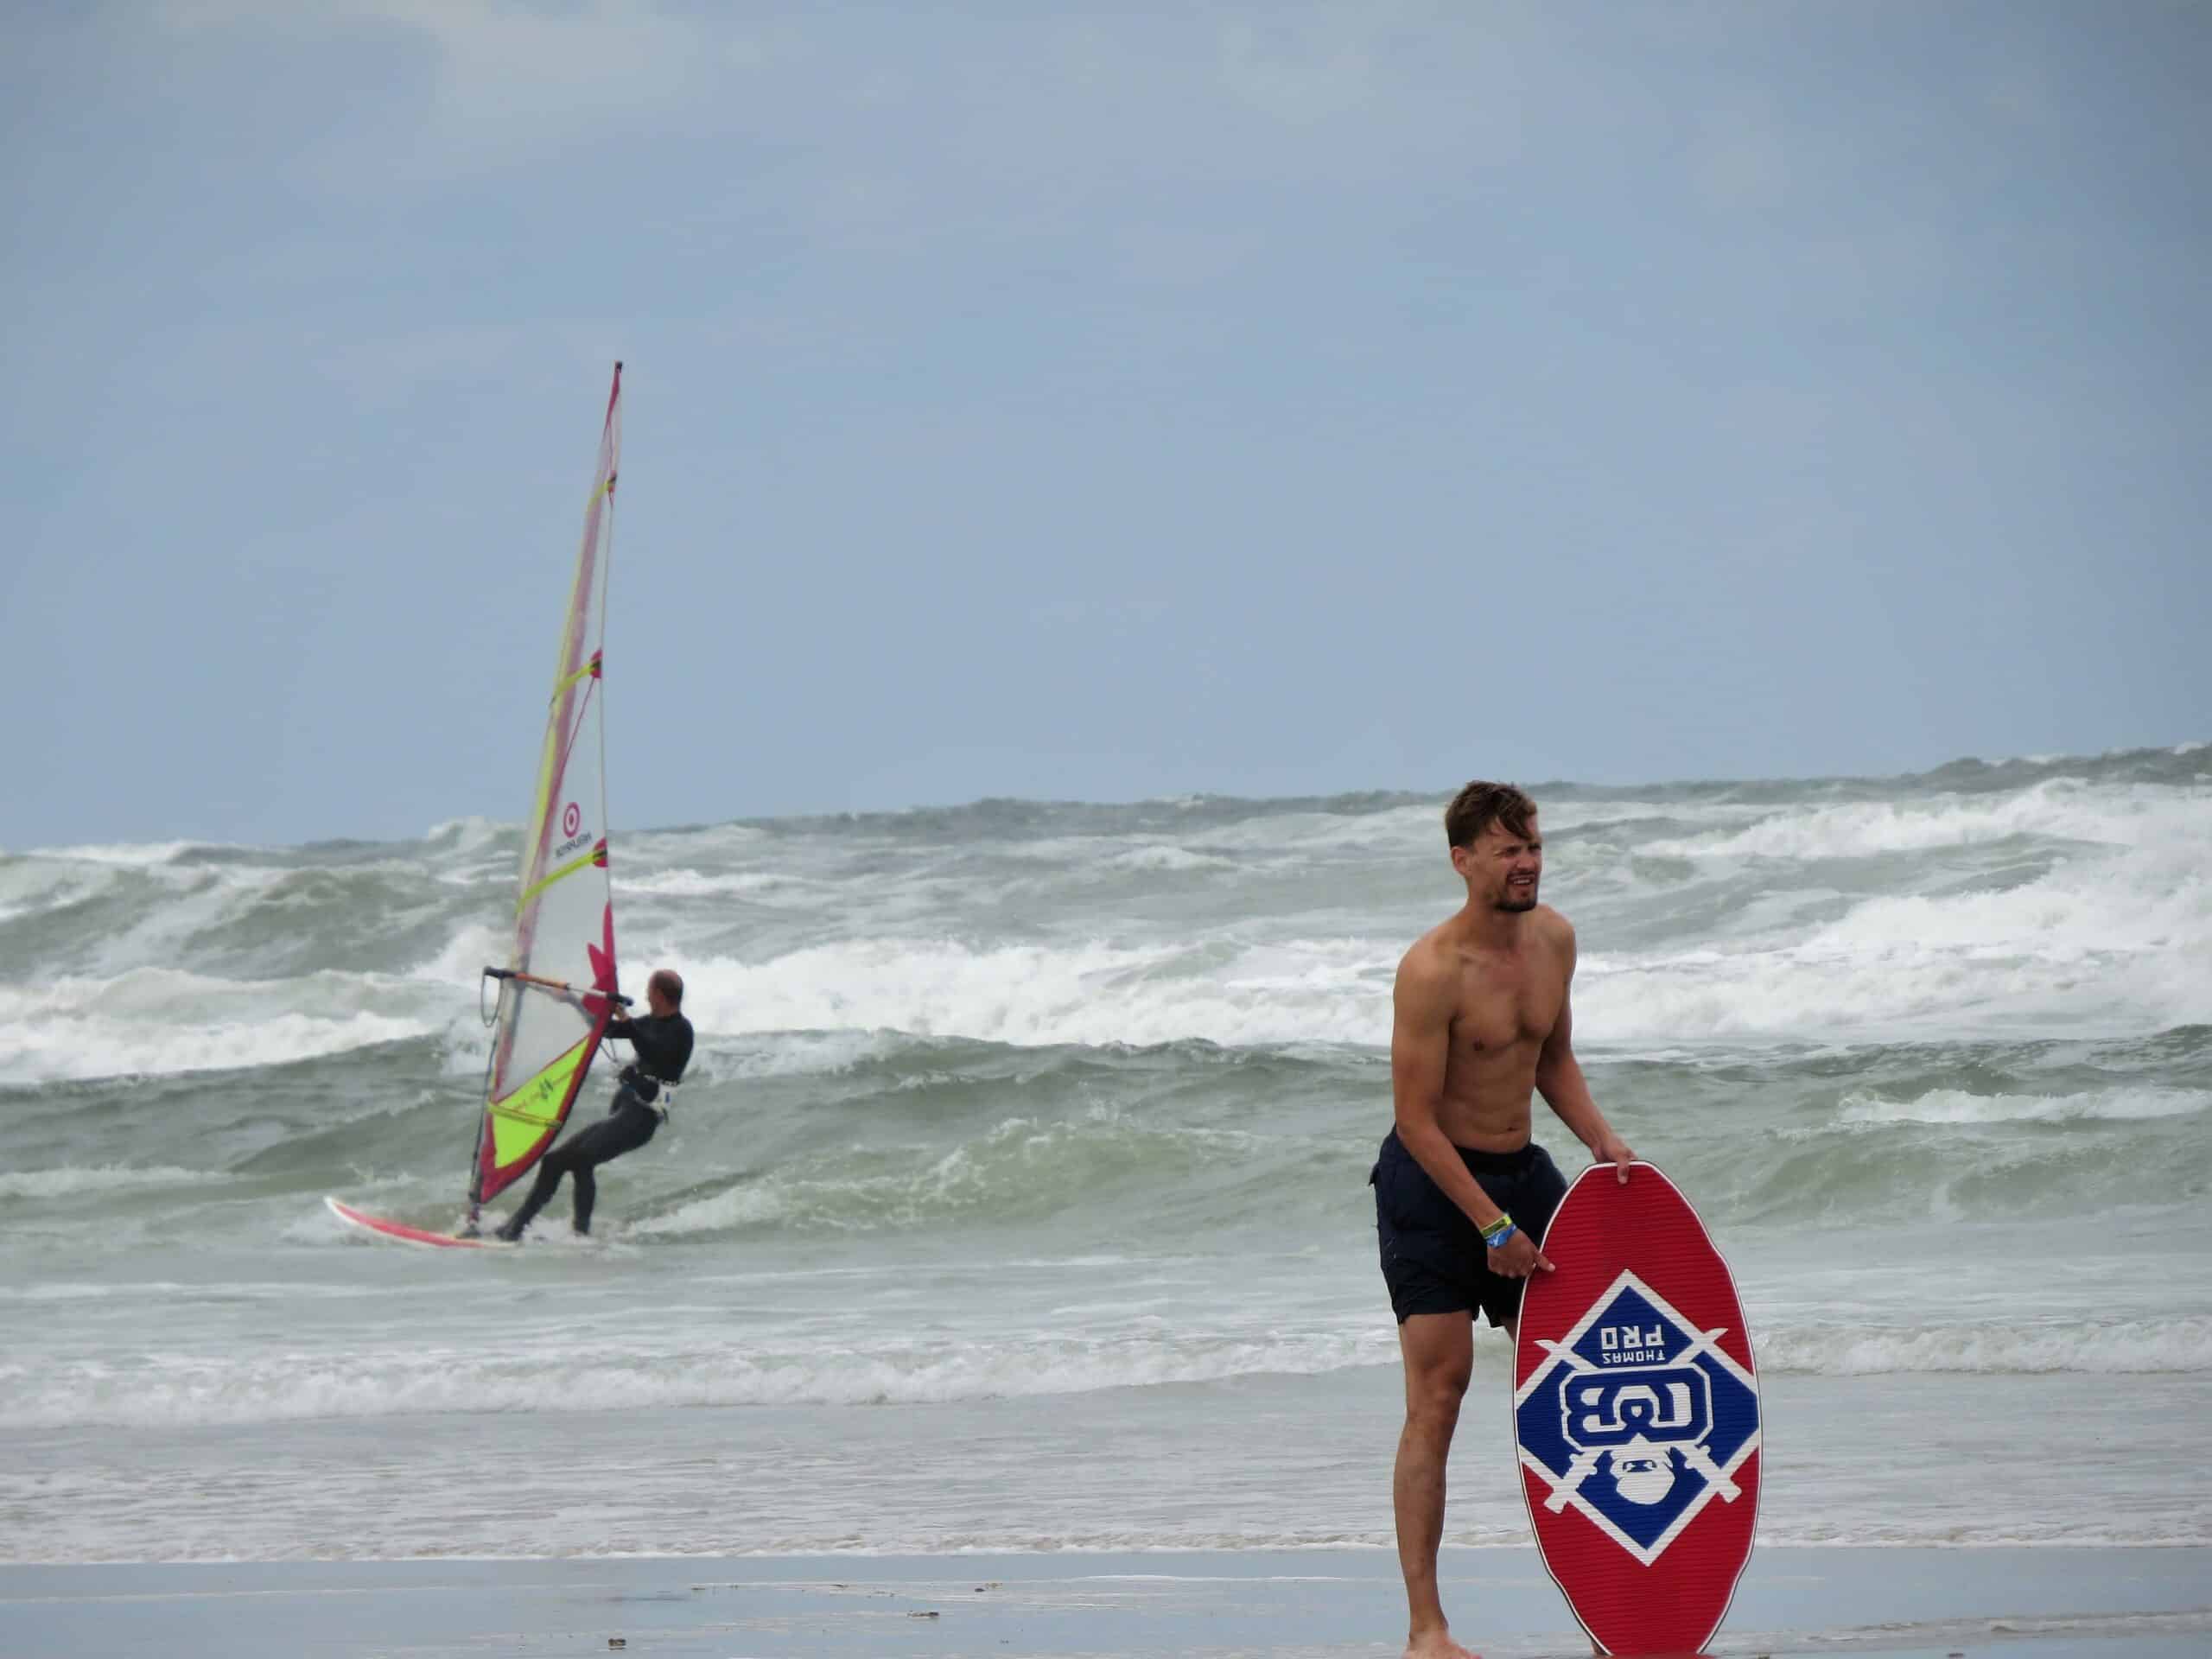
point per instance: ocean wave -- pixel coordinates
(137, 855)
(2027, 1347)
(157, 1021)
(89, 1047)
(688, 883)
(71, 1183)
(2123, 939)
(1163, 856)
(2066, 809)
(461, 960)
(708, 1537)
(1087, 858)
(1023, 1168)
(365, 1381)
(179, 1391)
(1286, 992)
(468, 835)
(2096, 914)
(1955, 1106)
(2122, 944)
(1784, 1531)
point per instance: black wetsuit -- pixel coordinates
(664, 1049)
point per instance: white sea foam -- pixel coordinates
(291, 1384)
(464, 958)
(467, 834)
(2117, 934)
(2022, 1347)
(2059, 808)
(1039, 1160)
(200, 901)
(71, 1183)
(134, 855)
(743, 839)
(157, 1021)
(796, 1053)
(106, 1048)
(683, 883)
(2113, 942)
(1087, 856)
(273, 1386)
(1954, 1106)
(1291, 991)
(1329, 836)
(2085, 947)
(1576, 815)
(1160, 856)
(2122, 937)
(2122, 940)
(30, 886)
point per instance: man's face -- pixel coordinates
(1503, 869)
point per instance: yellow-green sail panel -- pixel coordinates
(522, 1124)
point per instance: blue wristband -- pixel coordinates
(1497, 1241)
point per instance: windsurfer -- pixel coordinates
(662, 1041)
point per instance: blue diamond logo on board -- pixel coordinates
(1637, 1419)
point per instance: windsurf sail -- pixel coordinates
(558, 989)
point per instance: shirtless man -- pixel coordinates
(1461, 1192)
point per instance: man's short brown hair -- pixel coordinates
(1479, 805)
(669, 983)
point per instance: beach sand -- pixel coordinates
(2145, 1603)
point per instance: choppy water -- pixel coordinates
(1017, 1199)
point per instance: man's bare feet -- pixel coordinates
(1438, 1644)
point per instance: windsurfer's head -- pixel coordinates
(664, 991)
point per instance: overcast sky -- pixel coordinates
(1091, 402)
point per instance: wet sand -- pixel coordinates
(2146, 1604)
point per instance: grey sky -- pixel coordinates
(1096, 403)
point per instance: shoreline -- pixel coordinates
(1196, 1552)
(2146, 1602)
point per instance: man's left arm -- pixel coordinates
(1560, 1082)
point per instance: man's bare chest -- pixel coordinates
(1505, 1006)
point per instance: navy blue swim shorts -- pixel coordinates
(1433, 1258)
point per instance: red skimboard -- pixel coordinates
(1636, 1412)
(405, 1234)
